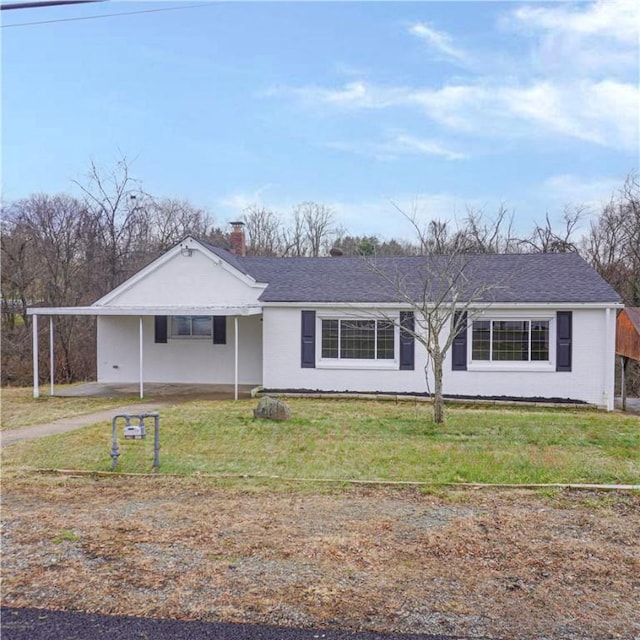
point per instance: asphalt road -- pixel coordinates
(42, 624)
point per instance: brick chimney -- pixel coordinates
(237, 239)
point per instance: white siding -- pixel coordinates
(179, 360)
(187, 280)
(282, 370)
(591, 378)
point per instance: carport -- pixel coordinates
(234, 312)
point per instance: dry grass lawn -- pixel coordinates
(21, 409)
(499, 564)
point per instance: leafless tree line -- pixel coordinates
(59, 250)
(310, 231)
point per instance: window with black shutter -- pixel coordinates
(219, 329)
(563, 340)
(407, 341)
(308, 340)
(459, 346)
(160, 329)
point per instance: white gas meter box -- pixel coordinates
(135, 431)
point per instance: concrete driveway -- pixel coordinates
(156, 397)
(633, 405)
(156, 391)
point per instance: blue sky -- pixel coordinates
(432, 106)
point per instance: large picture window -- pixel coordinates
(358, 339)
(510, 340)
(191, 326)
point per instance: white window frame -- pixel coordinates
(355, 363)
(173, 335)
(512, 365)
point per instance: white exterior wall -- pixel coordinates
(196, 280)
(591, 378)
(180, 360)
(592, 369)
(282, 370)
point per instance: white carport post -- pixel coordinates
(51, 363)
(36, 383)
(141, 357)
(235, 324)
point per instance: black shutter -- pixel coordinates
(219, 329)
(563, 340)
(160, 327)
(459, 346)
(407, 341)
(308, 340)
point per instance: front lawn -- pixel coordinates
(364, 440)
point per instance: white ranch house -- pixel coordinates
(201, 314)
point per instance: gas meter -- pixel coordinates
(135, 431)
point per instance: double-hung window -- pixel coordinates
(347, 339)
(510, 340)
(191, 326)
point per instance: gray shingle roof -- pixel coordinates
(551, 277)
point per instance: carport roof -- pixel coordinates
(100, 310)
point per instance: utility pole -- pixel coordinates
(45, 3)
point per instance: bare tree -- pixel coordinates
(44, 255)
(263, 228)
(444, 292)
(294, 237)
(19, 269)
(169, 220)
(545, 239)
(64, 251)
(480, 234)
(613, 242)
(116, 202)
(318, 225)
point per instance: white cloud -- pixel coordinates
(235, 203)
(352, 95)
(409, 144)
(602, 112)
(593, 193)
(577, 79)
(439, 41)
(598, 37)
(605, 113)
(399, 144)
(616, 19)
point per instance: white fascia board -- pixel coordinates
(472, 305)
(95, 310)
(550, 305)
(61, 311)
(333, 305)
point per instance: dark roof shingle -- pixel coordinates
(509, 278)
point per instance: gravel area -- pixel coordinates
(481, 564)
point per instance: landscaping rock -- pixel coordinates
(272, 409)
